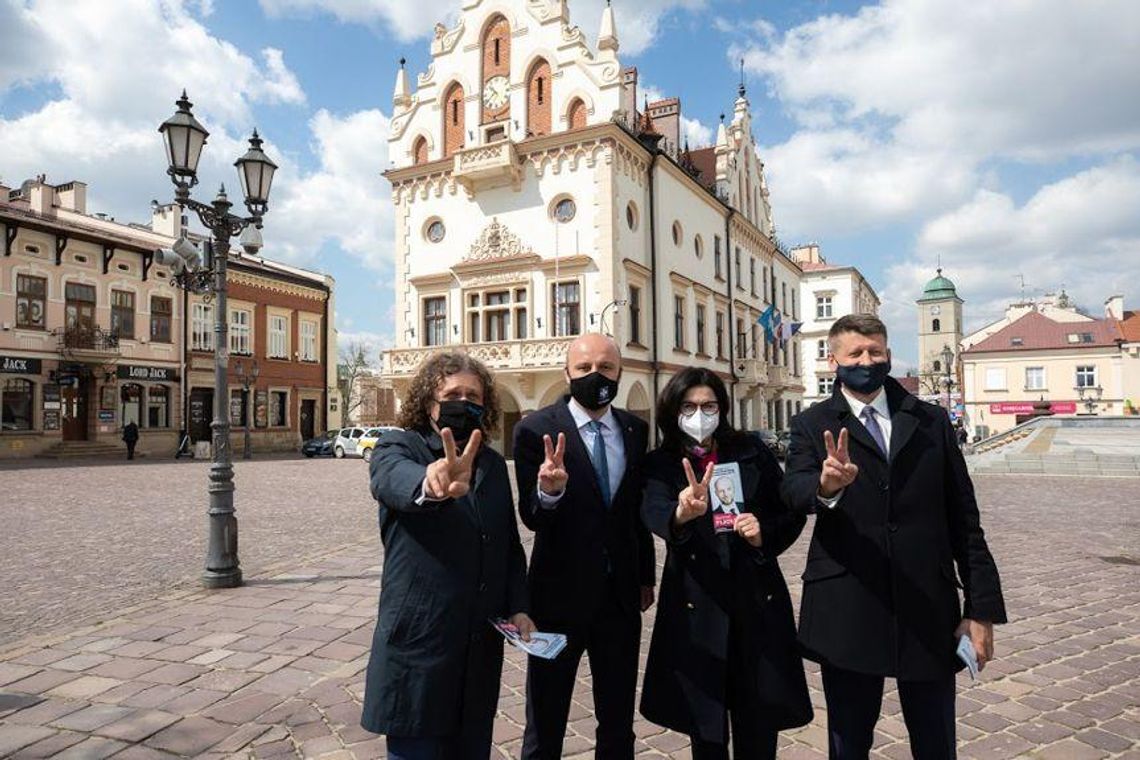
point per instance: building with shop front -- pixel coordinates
(94, 335)
(534, 201)
(89, 326)
(1045, 357)
(827, 291)
(282, 355)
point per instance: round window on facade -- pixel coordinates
(564, 210)
(435, 231)
(678, 233)
(699, 246)
(631, 215)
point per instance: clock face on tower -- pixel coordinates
(936, 310)
(496, 93)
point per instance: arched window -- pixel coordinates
(454, 120)
(937, 366)
(938, 325)
(538, 99)
(496, 67)
(419, 151)
(576, 114)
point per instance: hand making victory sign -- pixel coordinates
(450, 477)
(838, 469)
(694, 500)
(552, 474)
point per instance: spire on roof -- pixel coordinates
(607, 37)
(402, 95)
(742, 91)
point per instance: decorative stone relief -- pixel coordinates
(497, 242)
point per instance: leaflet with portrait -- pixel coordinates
(726, 496)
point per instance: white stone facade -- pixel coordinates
(517, 241)
(828, 292)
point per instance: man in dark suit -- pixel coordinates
(895, 512)
(578, 466)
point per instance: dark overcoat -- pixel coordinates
(880, 589)
(448, 567)
(580, 546)
(714, 586)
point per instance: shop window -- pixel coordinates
(278, 406)
(158, 407)
(239, 407)
(131, 395)
(18, 401)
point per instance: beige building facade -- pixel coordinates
(90, 326)
(534, 201)
(1051, 359)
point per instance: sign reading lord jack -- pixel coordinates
(18, 365)
(154, 374)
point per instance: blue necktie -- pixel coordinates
(873, 428)
(598, 456)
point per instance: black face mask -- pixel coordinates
(594, 391)
(864, 378)
(463, 417)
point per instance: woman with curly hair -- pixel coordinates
(452, 562)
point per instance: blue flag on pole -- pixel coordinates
(766, 321)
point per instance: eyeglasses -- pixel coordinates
(709, 407)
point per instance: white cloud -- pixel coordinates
(1081, 233)
(637, 23)
(345, 199)
(903, 106)
(103, 127)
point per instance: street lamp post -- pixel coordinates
(947, 362)
(185, 137)
(611, 305)
(246, 381)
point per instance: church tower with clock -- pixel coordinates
(939, 327)
(535, 199)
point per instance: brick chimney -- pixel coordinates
(72, 196)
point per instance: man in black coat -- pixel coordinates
(131, 438)
(578, 466)
(895, 513)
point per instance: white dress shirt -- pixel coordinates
(611, 437)
(882, 416)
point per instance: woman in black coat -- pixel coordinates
(724, 644)
(452, 562)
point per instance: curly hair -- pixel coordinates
(421, 393)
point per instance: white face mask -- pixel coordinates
(699, 426)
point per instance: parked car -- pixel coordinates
(321, 446)
(368, 441)
(347, 443)
(772, 441)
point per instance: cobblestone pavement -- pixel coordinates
(275, 668)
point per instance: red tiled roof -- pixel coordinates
(1130, 327)
(1035, 332)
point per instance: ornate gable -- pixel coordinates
(496, 243)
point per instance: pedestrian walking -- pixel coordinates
(579, 470)
(724, 659)
(452, 563)
(131, 438)
(895, 513)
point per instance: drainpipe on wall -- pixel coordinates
(185, 383)
(729, 260)
(653, 283)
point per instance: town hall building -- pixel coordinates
(537, 199)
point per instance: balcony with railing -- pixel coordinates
(752, 371)
(539, 354)
(488, 166)
(87, 342)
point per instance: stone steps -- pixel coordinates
(1077, 464)
(85, 450)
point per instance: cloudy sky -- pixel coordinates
(1001, 138)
